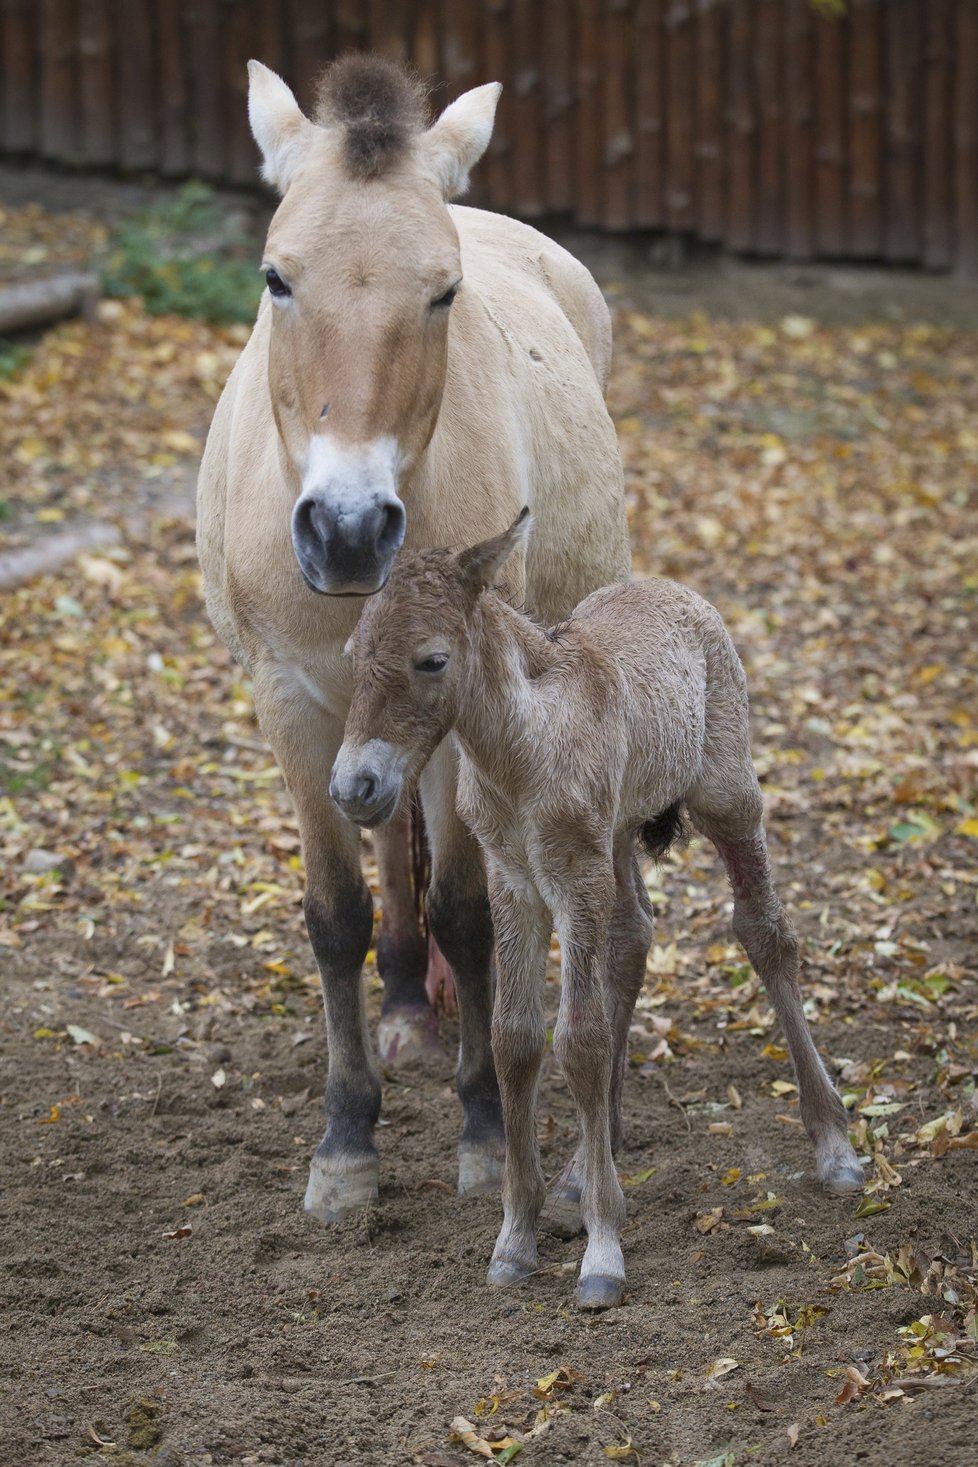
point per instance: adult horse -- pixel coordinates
(381, 401)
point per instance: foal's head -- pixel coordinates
(412, 662)
(362, 264)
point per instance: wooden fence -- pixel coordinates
(765, 126)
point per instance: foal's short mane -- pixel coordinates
(379, 105)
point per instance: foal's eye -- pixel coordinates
(437, 662)
(444, 301)
(276, 284)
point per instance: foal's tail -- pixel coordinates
(663, 830)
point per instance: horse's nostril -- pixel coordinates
(302, 524)
(366, 788)
(391, 531)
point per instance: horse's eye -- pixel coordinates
(437, 662)
(444, 301)
(276, 284)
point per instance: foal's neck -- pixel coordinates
(509, 653)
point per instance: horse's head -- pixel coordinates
(413, 664)
(362, 264)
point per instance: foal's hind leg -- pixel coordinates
(628, 944)
(762, 927)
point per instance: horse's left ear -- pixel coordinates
(482, 563)
(277, 125)
(459, 138)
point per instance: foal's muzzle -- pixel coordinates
(367, 782)
(344, 550)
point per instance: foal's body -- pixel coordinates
(575, 745)
(364, 412)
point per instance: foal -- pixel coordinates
(577, 745)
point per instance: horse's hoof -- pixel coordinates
(332, 1194)
(842, 1178)
(599, 1291)
(408, 1033)
(479, 1170)
(506, 1273)
(562, 1216)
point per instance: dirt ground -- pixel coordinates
(162, 1057)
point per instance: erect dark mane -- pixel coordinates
(378, 104)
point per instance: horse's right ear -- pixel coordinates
(277, 125)
(454, 144)
(481, 564)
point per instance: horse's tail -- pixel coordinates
(663, 830)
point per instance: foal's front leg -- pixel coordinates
(522, 927)
(583, 1044)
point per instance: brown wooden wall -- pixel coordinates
(761, 125)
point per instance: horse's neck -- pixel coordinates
(502, 708)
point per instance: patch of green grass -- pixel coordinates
(182, 256)
(6, 510)
(13, 359)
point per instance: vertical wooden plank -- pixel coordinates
(588, 198)
(95, 74)
(272, 36)
(938, 80)
(59, 93)
(557, 48)
(388, 29)
(309, 33)
(865, 129)
(830, 136)
(679, 114)
(708, 147)
(769, 73)
(966, 141)
(239, 47)
(425, 46)
(799, 91)
(497, 166)
(207, 93)
(463, 68)
(174, 110)
(649, 114)
(350, 26)
(21, 112)
(904, 107)
(618, 143)
(136, 73)
(528, 189)
(741, 130)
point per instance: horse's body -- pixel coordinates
(356, 418)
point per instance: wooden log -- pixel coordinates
(649, 114)
(966, 142)
(709, 142)
(680, 164)
(59, 93)
(173, 57)
(99, 142)
(938, 80)
(527, 88)
(136, 72)
(799, 72)
(206, 89)
(618, 142)
(769, 71)
(904, 107)
(865, 129)
(240, 44)
(21, 42)
(497, 167)
(741, 130)
(830, 136)
(558, 104)
(30, 303)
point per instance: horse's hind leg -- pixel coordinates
(763, 929)
(407, 1026)
(339, 916)
(458, 911)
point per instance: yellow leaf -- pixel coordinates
(619, 1452)
(968, 827)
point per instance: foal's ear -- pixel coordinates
(459, 138)
(277, 125)
(482, 563)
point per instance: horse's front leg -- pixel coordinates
(339, 917)
(458, 912)
(408, 1027)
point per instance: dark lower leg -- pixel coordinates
(407, 1026)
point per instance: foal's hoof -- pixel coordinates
(408, 1033)
(599, 1291)
(561, 1215)
(479, 1170)
(506, 1273)
(842, 1177)
(333, 1194)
